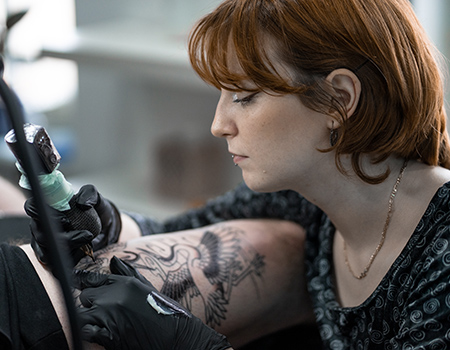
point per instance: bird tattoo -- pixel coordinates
(208, 269)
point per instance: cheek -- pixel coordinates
(274, 129)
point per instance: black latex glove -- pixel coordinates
(77, 233)
(88, 197)
(118, 315)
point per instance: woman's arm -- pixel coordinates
(239, 203)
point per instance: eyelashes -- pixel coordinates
(244, 101)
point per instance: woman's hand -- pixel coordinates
(76, 233)
(127, 312)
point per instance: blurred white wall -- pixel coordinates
(434, 14)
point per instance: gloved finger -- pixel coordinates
(120, 267)
(96, 316)
(111, 223)
(105, 209)
(37, 234)
(31, 210)
(98, 335)
(88, 296)
(61, 220)
(41, 237)
(98, 327)
(77, 238)
(77, 254)
(101, 241)
(74, 239)
(85, 279)
(87, 197)
(93, 316)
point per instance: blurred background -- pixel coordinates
(111, 82)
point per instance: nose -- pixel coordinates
(223, 124)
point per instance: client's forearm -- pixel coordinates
(242, 277)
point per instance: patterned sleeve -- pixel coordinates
(425, 317)
(240, 203)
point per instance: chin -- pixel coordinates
(263, 187)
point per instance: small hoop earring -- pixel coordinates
(333, 135)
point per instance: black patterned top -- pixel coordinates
(410, 309)
(240, 203)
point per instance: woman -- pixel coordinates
(342, 102)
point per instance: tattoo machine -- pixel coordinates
(57, 190)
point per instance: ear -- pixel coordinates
(346, 89)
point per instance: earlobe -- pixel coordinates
(346, 88)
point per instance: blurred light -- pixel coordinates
(41, 83)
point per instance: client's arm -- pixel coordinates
(244, 278)
(12, 198)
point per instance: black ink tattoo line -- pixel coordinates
(208, 268)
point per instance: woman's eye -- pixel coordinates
(244, 100)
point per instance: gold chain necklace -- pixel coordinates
(383, 233)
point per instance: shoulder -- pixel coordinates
(425, 199)
(425, 182)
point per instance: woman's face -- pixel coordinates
(274, 139)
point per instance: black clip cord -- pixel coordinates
(60, 266)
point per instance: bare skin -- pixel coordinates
(416, 190)
(255, 299)
(11, 200)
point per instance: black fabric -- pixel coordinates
(15, 229)
(239, 203)
(27, 317)
(303, 337)
(410, 308)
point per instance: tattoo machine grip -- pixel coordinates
(58, 191)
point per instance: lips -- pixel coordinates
(238, 158)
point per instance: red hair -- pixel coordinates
(401, 109)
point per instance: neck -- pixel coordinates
(356, 208)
